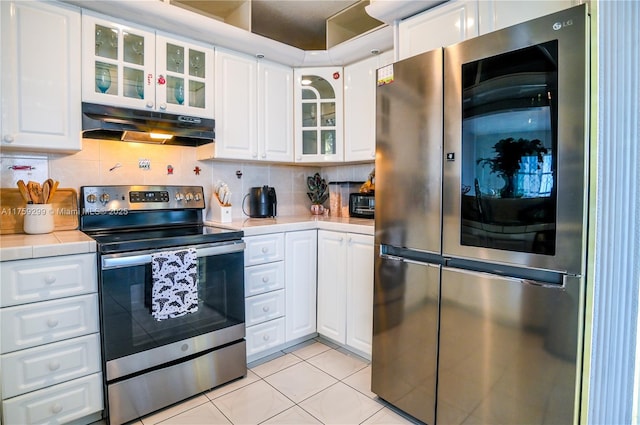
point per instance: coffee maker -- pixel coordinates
(262, 202)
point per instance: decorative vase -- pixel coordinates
(317, 209)
(509, 188)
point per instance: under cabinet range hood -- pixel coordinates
(133, 125)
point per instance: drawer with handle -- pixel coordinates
(38, 367)
(58, 404)
(264, 249)
(265, 335)
(264, 307)
(35, 324)
(32, 280)
(263, 278)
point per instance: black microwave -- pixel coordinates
(362, 205)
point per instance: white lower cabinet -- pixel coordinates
(50, 343)
(301, 259)
(59, 404)
(280, 290)
(345, 289)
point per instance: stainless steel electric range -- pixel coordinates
(150, 360)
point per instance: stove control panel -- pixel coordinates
(108, 199)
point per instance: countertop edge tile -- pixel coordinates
(263, 226)
(23, 246)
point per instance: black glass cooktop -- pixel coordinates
(164, 237)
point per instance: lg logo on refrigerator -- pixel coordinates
(559, 25)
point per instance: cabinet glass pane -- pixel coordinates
(328, 146)
(328, 114)
(106, 78)
(196, 94)
(133, 83)
(196, 64)
(323, 86)
(106, 42)
(175, 58)
(309, 142)
(133, 46)
(308, 94)
(175, 90)
(309, 114)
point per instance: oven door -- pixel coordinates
(134, 341)
(516, 145)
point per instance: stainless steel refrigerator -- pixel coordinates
(481, 177)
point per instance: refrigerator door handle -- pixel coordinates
(543, 284)
(407, 260)
(391, 257)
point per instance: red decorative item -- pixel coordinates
(336, 75)
(169, 169)
(197, 170)
(161, 80)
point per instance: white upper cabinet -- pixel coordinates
(235, 106)
(318, 115)
(498, 14)
(253, 110)
(360, 107)
(130, 66)
(40, 71)
(450, 23)
(275, 112)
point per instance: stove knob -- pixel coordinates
(104, 198)
(196, 197)
(189, 196)
(179, 196)
(92, 198)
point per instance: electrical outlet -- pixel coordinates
(144, 164)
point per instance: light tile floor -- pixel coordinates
(312, 383)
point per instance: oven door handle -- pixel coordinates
(118, 260)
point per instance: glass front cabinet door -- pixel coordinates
(318, 93)
(184, 77)
(132, 67)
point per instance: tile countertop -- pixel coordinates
(22, 246)
(262, 226)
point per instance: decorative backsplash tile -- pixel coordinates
(105, 162)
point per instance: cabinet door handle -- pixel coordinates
(265, 279)
(49, 279)
(52, 323)
(265, 249)
(56, 408)
(265, 308)
(149, 104)
(163, 106)
(54, 365)
(265, 337)
(8, 138)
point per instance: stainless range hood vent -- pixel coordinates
(133, 125)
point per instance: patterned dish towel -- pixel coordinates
(175, 283)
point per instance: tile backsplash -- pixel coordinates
(104, 162)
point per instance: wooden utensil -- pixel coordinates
(52, 190)
(35, 191)
(46, 187)
(24, 192)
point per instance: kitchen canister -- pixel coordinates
(38, 218)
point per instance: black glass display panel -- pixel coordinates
(128, 326)
(509, 150)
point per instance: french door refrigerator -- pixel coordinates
(481, 195)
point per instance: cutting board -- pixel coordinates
(65, 207)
